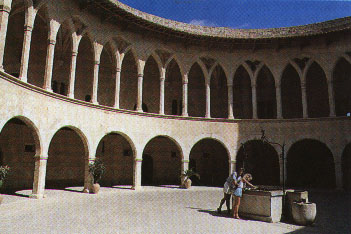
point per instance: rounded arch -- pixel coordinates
(81, 135)
(173, 140)
(317, 91)
(266, 96)
(125, 136)
(68, 157)
(197, 91)
(310, 164)
(162, 161)
(117, 152)
(242, 94)
(20, 142)
(210, 158)
(291, 93)
(346, 167)
(35, 132)
(341, 85)
(219, 93)
(261, 160)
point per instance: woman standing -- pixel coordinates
(241, 181)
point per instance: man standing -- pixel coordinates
(228, 188)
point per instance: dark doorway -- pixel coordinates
(147, 170)
(209, 158)
(310, 165)
(261, 160)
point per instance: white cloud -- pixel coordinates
(202, 23)
(245, 25)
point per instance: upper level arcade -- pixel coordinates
(109, 54)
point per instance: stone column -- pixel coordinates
(208, 99)
(331, 97)
(137, 173)
(117, 88)
(39, 177)
(185, 166)
(162, 91)
(87, 177)
(5, 9)
(304, 100)
(232, 166)
(54, 26)
(254, 101)
(278, 94)
(72, 76)
(230, 101)
(95, 82)
(140, 93)
(185, 96)
(25, 52)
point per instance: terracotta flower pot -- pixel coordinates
(187, 183)
(95, 188)
(304, 213)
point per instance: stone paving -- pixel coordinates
(153, 210)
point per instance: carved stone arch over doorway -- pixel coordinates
(210, 158)
(20, 143)
(162, 158)
(261, 160)
(310, 164)
(68, 158)
(116, 151)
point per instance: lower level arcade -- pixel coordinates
(309, 162)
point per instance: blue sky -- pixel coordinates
(245, 13)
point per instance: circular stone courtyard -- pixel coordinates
(163, 209)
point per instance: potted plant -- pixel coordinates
(4, 170)
(96, 170)
(185, 177)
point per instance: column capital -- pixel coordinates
(162, 78)
(75, 53)
(232, 161)
(185, 82)
(138, 160)
(330, 82)
(97, 62)
(28, 28)
(118, 69)
(140, 75)
(185, 161)
(51, 42)
(5, 8)
(253, 85)
(40, 157)
(230, 85)
(303, 85)
(277, 86)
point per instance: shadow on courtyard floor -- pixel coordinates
(333, 213)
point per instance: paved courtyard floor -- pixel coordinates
(154, 210)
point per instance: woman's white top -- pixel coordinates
(240, 182)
